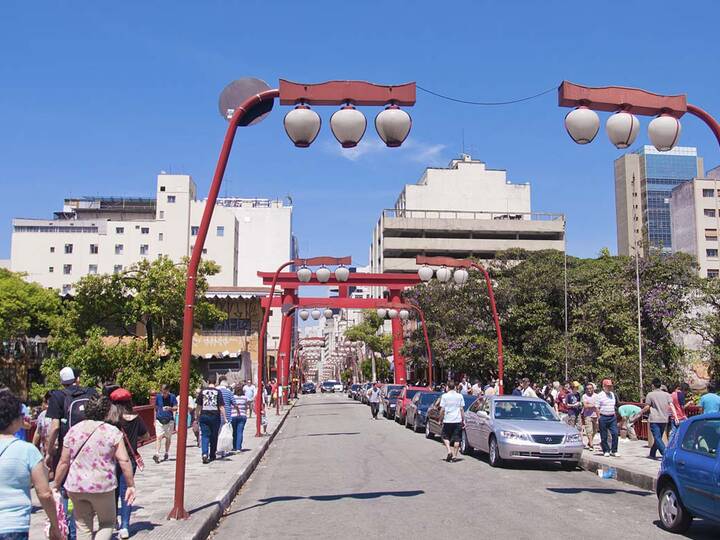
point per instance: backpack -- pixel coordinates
(75, 399)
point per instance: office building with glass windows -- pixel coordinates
(644, 180)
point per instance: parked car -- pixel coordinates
(688, 483)
(404, 400)
(416, 411)
(327, 387)
(389, 400)
(308, 388)
(338, 386)
(353, 390)
(519, 428)
(433, 426)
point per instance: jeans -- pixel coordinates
(374, 408)
(69, 519)
(209, 429)
(657, 429)
(238, 425)
(608, 424)
(15, 536)
(125, 509)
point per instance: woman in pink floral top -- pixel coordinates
(91, 449)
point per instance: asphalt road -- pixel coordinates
(332, 472)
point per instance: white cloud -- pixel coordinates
(411, 150)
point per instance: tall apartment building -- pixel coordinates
(644, 180)
(464, 210)
(695, 215)
(94, 235)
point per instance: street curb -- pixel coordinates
(223, 503)
(638, 479)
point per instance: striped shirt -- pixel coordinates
(606, 403)
(239, 406)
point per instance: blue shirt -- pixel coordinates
(20, 433)
(16, 464)
(227, 401)
(710, 403)
(160, 402)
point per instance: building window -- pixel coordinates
(144, 248)
(708, 192)
(66, 288)
(51, 269)
(93, 249)
(145, 230)
(162, 214)
(92, 269)
(68, 248)
(160, 236)
(171, 198)
(159, 255)
(204, 251)
(220, 231)
(162, 188)
(52, 249)
(713, 272)
(119, 230)
(118, 249)
(711, 235)
(711, 253)
(67, 269)
(194, 230)
(117, 268)
(709, 212)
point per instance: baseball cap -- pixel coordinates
(121, 394)
(607, 382)
(67, 375)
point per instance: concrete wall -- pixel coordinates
(694, 232)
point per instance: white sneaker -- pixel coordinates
(613, 454)
(606, 454)
(124, 533)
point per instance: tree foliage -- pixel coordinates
(26, 309)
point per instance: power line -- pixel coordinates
(486, 103)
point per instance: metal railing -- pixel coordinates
(467, 214)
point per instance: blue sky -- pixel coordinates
(97, 98)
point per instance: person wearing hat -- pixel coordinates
(134, 431)
(607, 422)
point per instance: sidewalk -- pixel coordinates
(209, 489)
(632, 464)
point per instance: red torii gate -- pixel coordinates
(395, 283)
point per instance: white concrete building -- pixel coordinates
(464, 210)
(695, 219)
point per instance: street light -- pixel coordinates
(323, 274)
(622, 129)
(302, 125)
(304, 314)
(381, 312)
(304, 274)
(328, 313)
(393, 125)
(316, 314)
(348, 125)
(664, 132)
(443, 275)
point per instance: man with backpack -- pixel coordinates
(66, 408)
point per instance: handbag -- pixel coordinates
(139, 461)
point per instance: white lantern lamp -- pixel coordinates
(622, 129)
(582, 124)
(393, 125)
(316, 314)
(443, 274)
(304, 274)
(425, 273)
(392, 313)
(328, 313)
(348, 125)
(304, 314)
(664, 132)
(302, 125)
(342, 273)
(381, 312)
(460, 276)
(404, 314)
(323, 274)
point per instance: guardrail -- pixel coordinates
(464, 214)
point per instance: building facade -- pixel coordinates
(464, 210)
(695, 218)
(644, 181)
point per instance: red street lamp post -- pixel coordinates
(460, 277)
(386, 310)
(246, 103)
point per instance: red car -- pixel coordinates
(404, 399)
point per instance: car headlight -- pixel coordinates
(514, 435)
(573, 438)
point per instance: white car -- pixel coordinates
(337, 386)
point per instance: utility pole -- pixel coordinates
(637, 243)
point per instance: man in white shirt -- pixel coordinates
(527, 390)
(476, 388)
(464, 386)
(249, 392)
(452, 407)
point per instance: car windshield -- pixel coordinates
(524, 410)
(469, 400)
(428, 398)
(328, 383)
(410, 393)
(394, 393)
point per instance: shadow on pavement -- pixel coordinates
(600, 491)
(332, 434)
(327, 498)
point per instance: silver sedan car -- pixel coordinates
(519, 428)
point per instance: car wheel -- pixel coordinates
(465, 448)
(673, 515)
(569, 465)
(494, 453)
(428, 433)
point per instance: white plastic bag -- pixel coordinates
(225, 439)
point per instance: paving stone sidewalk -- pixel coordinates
(209, 489)
(632, 464)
